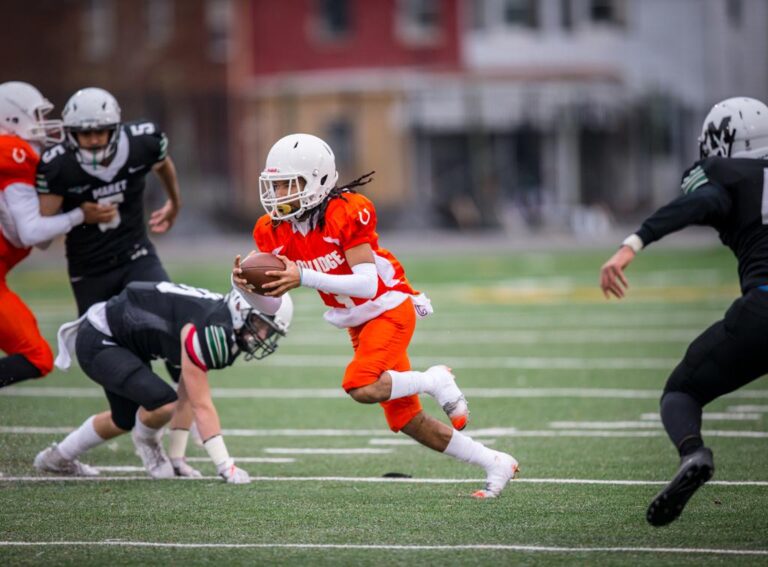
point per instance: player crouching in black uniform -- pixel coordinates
(190, 328)
(726, 189)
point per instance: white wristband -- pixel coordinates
(634, 242)
(177, 443)
(217, 450)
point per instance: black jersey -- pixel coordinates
(147, 318)
(91, 248)
(731, 195)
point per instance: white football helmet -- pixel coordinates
(92, 109)
(736, 127)
(22, 112)
(295, 157)
(258, 333)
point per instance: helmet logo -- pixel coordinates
(365, 220)
(718, 139)
(19, 155)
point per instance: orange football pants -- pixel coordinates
(19, 333)
(381, 344)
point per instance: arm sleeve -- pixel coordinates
(704, 206)
(209, 347)
(194, 351)
(261, 303)
(33, 228)
(363, 282)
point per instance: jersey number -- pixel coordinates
(141, 129)
(189, 291)
(52, 153)
(115, 222)
(117, 198)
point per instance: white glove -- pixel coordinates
(181, 468)
(233, 475)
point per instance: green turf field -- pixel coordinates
(562, 379)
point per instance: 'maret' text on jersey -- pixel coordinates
(325, 263)
(111, 189)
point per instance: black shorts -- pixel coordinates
(93, 289)
(127, 380)
(729, 354)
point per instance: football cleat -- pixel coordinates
(181, 468)
(695, 469)
(448, 395)
(503, 470)
(51, 460)
(152, 454)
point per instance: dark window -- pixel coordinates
(566, 14)
(334, 18)
(340, 135)
(735, 9)
(607, 11)
(521, 13)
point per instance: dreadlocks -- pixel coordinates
(317, 215)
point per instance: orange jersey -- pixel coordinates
(350, 221)
(18, 164)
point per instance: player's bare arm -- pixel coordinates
(94, 213)
(162, 219)
(197, 388)
(612, 278)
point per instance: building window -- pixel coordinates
(520, 13)
(340, 135)
(475, 12)
(735, 10)
(99, 29)
(607, 12)
(566, 14)
(418, 21)
(159, 22)
(218, 15)
(334, 19)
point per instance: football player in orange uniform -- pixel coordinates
(326, 235)
(23, 130)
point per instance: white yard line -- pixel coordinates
(378, 479)
(714, 416)
(519, 336)
(313, 451)
(488, 432)
(379, 547)
(331, 393)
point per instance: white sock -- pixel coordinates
(80, 440)
(145, 432)
(464, 448)
(410, 382)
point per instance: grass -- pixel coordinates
(494, 316)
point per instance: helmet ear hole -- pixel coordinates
(323, 179)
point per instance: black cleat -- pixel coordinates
(695, 469)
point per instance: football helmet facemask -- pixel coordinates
(736, 127)
(92, 109)
(295, 157)
(257, 334)
(22, 112)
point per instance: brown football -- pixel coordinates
(255, 268)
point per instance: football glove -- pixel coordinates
(233, 475)
(181, 468)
